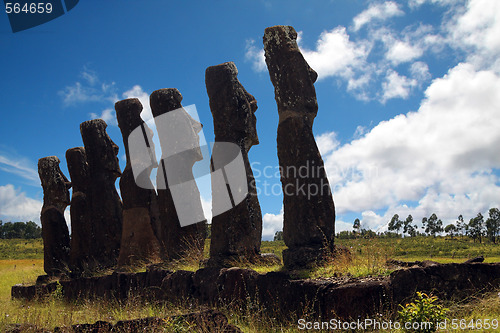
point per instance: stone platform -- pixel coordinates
(343, 298)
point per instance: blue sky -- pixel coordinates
(408, 94)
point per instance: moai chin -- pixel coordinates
(237, 231)
(183, 225)
(81, 233)
(104, 203)
(139, 243)
(56, 242)
(309, 212)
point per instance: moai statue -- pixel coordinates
(81, 231)
(140, 208)
(56, 242)
(181, 214)
(309, 211)
(104, 203)
(236, 232)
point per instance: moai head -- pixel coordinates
(100, 149)
(78, 168)
(233, 108)
(177, 130)
(55, 185)
(128, 114)
(290, 74)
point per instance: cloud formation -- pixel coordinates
(377, 12)
(20, 167)
(88, 89)
(16, 206)
(441, 158)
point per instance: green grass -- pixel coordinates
(439, 249)
(21, 249)
(367, 257)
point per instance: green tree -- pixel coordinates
(451, 230)
(209, 231)
(27, 230)
(461, 225)
(32, 230)
(408, 227)
(493, 224)
(368, 233)
(475, 228)
(395, 224)
(356, 225)
(278, 236)
(432, 225)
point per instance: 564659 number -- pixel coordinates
(32, 8)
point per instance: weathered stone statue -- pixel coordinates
(104, 202)
(237, 231)
(81, 231)
(181, 214)
(309, 212)
(56, 242)
(140, 208)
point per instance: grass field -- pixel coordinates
(21, 249)
(21, 262)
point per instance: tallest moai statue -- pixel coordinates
(309, 212)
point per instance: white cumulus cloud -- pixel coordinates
(336, 55)
(379, 12)
(476, 31)
(16, 206)
(397, 85)
(271, 223)
(89, 89)
(400, 52)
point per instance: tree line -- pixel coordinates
(477, 228)
(26, 230)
